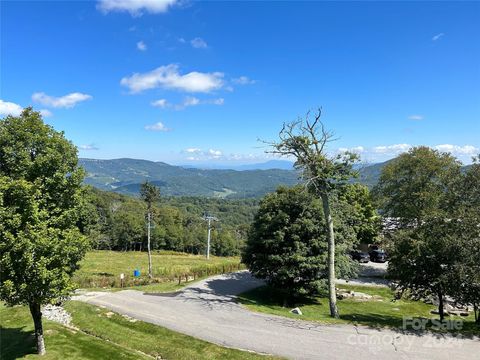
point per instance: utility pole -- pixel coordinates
(148, 246)
(209, 219)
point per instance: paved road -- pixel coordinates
(207, 310)
(371, 274)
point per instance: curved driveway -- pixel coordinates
(207, 310)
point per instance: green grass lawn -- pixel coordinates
(377, 312)
(101, 336)
(102, 269)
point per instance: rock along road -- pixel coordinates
(208, 310)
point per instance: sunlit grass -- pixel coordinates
(101, 334)
(102, 269)
(379, 311)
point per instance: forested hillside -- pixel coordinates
(116, 221)
(125, 176)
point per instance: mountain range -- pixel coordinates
(126, 175)
(268, 165)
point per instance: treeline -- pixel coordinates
(117, 222)
(435, 248)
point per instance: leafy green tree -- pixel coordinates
(40, 189)
(465, 277)
(150, 194)
(424, 258)
(171, 223)
(115, 221)
(287, 243)
(306, 140)
(127, 229)
(364, 217)
(224, 243)
(462, 201)
(435, 251)
(412, 185)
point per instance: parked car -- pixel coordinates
(360, 256)
(378, 255)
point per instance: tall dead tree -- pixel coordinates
(323, 174)
(149, 193)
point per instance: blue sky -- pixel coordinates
(199, 82)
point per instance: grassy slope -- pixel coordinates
(377, 312)
(103, 337)
(17, 340)
(103, 268)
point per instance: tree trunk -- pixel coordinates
(476, 312)
(150, 274)
(332, 296)
(440, 305)
(37, 321)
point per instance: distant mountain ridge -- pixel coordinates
(268, 165)
(126, 175)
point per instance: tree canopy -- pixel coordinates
(412, 185)
(306, 140)
(435, 251)
(287, 244)
(40, 204)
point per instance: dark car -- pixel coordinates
(378, 256)
(360, 256)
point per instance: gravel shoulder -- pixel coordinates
(208, 310)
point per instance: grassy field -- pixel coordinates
(102, 269)
(100, 335)
(377, 312)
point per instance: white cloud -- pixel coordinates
(215, 154)
(415, 117)
(46, 113)
(161, 103)
(385, 152)
(219, 101)
(356, 149)
(136, 7)
(9, 108)
(199, 154)
(438, 36)
(159, 126)
(141, 46)
(187, 101)
(243, 80)
(190, 101)
(168, 77)
(67, 101)
(391, 149)
(458, 150)
(193, 101)
(198, 43)
(88, 147)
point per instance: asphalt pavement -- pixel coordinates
(208, 310)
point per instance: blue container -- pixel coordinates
(136, 273)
